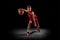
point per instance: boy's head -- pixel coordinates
(29, 8)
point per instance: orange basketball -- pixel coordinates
(21, 11)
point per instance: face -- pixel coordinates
(29, 9)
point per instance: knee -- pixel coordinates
(30, 21)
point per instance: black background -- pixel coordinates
(40, 7)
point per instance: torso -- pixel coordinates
(30, 15)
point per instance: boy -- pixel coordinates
(32, 17)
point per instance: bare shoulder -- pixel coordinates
(32, 12)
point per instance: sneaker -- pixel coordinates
(38, 30)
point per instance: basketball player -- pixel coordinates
(32, 18)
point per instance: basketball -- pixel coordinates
(20, 11)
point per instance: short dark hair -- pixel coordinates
(29, 6)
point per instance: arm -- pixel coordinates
(35, 19)
(25, 10)
(33, 16)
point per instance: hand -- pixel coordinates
(35, 25)
(30, 21)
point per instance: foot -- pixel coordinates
(38, 30)
(28, 33)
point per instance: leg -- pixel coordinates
(37, 24)
(28, 27)
(38, 28)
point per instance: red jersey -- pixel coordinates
(31, 18)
